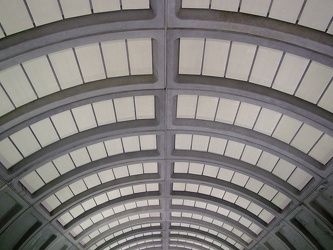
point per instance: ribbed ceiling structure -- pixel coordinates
(166, 124)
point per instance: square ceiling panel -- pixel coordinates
(323, 150)
(287, 129)
(105, 5)
(200, 143)
(64, 124)
(104, 112)
(183, 141)
(186, 106)
(140, 54)
(25, 141)
(206, 109)
(286, 10)
(326, 100)
(227, 5)
(306, 138)
(64, 163)
(48, 172)
(32, 182)
(135, 4)
(114, 147)
(200, 4)
(227, 110)
(73, 8)
(267, 121)
(145, 107)
(255, 7)
(6, 104)
(247, 115)
(97, 151)
(124, 109)
(44, 11)
(9, 155)
(131, 144)
(191, 55)
(148, 142)
(84, 117)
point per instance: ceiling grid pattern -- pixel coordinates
(176, 124)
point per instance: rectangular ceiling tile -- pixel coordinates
(217, 145)
(32, 182)
(64, 124)
(268, 192)
(145, 107)
(255, 7)
(226, 5)
(41, 76)
(326, 100)
(211, 171)
(207, 108)
(135, 4)
(186, 106)
(254, 185)
(6, 105)
(306, 138)
(131, 144)
(51, 203)
(124, 109)
(215, 57)
(73, 8)
(190, 55)
(45, 132)
(64, 163)
(140, 54)
(44, 11)
(183, 141)
(92, 181)
(150, 167)
(104, 112)
(286, 10)
(290, 73)
(234, 149)
(199, 4)
(106, 175)
(114, 147)
(251, 155)
(240, 61)
(48, 172)
(115, 57)
(66, 68)
(105, 5)
(84, 117)
(9, 155)
(312, 19)
(267, 161)
(135, 169)
(25, 141)
(227, 111)
(14, 17)
(265, 66)
(239, 179)
(17, 85)
(323, 150)
(283, 169)
(267, 121)
(148, 142)
(286, 129)
(97, 151)
(316, 79)
(64, 194)
(78, 187)
(247, 115)
(80, 157)
(299, 178)
(200, 143)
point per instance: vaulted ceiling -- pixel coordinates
(151, 124)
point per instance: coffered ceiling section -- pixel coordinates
(150, 124)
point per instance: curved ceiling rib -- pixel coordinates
(175, 124)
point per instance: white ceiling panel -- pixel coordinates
(76, 211)
(255, 7)
(283, 169)
(105, 5)
(230, 197)
(268, 192)
(196, 168)
(32, 182)
(217, 145)
(265, 66)
(239, 179)
(80, 157)
(115, 58)
(9, 155)
(267, 161)
(234, 149)
(267, 121)
(106, 175)
(200, 142)
(290, 73)
(251, 155)
(64, 163)
(131, 144)
(6, 105)
(150, 167)
(90, 61)
(227, 5)
(84, 117)
(64, 194)
(200, 4)
(215, 57)
(17, 86)
(254, 208)
(14, 16)
(281, 200)
(66, 68)
(211, 171)
(92, 181)
(247, 115)
(64, 124)
(323, 150)
(135, 169)
(97, 151)
(314, 82)
(135, 4)
(25, 141)
(41, 76)
(148, 142)
(104, 112)
(78, 187)
(306, 137)
(73, 8)
(140, 54)
(190, 55)
(254, 185)
(51, 203)
(114, 147)
(124, 109)
(226, 111)
(44, 11)
(286, 10)
(240, 60)
(326, 100)
(266, 216)
(299, 178)
(48, 172)
(206, 108)
(186, 106)
(286, 129)
(145, 107)
(183, 141)
(312, 19)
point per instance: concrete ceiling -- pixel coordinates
(194, 124)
